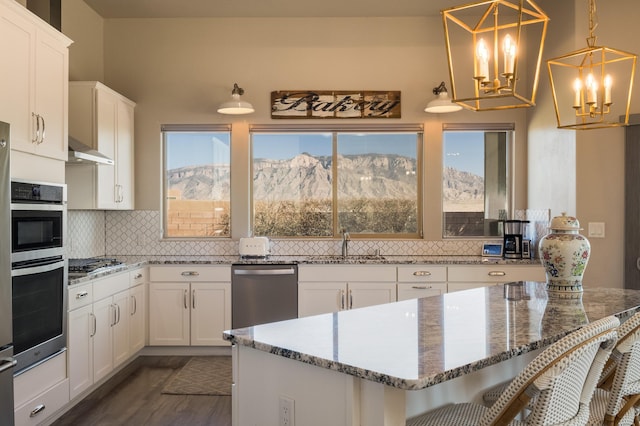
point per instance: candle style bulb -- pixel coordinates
(592, 90)
(509, 49)
(607, 89)
(577, 87)
(482, 60)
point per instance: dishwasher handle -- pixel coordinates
(279, 271)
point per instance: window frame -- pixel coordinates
(510, 129)
(185, 128)
(334, 130)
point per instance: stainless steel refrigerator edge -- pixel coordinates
(6, 339)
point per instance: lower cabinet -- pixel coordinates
(189, 306)
(106, 326)
(416, 281)
(323, 289)
(41, 391)
(465, 277)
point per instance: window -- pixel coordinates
(196, 182)
(475, 179)
(315, 183)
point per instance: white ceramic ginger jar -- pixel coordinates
(564, 253)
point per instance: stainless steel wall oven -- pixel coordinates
(38, 271)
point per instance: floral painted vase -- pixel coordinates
(564, 254)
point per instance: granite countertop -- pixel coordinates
(419, 343)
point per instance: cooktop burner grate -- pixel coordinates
(87, 266)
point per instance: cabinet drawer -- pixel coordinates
(189, 273)
(108, 286)
(347, 273)
(421, 274)
(496, 273)
(44, 405)
(33, 382)
(80, 296)
(138, 276)
(418, 290)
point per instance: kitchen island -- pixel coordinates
(382, 364)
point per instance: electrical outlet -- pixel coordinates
(287, 414)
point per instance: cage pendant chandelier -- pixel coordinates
(592, 86)
(488, 45)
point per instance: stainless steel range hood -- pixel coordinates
(80, 153)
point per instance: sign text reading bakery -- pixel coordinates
(335, 104)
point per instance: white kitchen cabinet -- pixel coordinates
(138, 309)
(99, 329)
(416, 281)
(41, 391)
(463, 277)
(104, 120)
(331, 288)
(34, 83)
(189, 305)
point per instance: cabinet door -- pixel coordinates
(169, 314)
(361, 295)
(124, 156)
(321, 297)
(120, 327)
(106, 118)
(17, 38)
(103, 338)
(137, 315)
(210, 313)
(51, 88)
(81, 329)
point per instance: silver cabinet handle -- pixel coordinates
(341, 299)
(43, 129)
(36, 135)
(497, 273)
(184, 299)
(118, 310)
(134, 305)
(82, 294)
(190, 274)
(113, 316)
(350, 299)
(7, 363)
(37, 410)
(95, 325)
(422, 287)
(193, 299)
(422, 273)
(137, 276)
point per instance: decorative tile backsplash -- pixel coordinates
(138, 233)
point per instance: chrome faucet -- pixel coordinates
(345, 243)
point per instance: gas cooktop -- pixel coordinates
(83, 267)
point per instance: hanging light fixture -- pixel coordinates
(588, 82)
(485, 49)
(236, 106)
(442, 103)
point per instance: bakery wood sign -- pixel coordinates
(335, 104)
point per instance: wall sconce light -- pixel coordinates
(485, 50)
(442, 103)
(586, 83)
(236, 106)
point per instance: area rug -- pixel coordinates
(209, 375)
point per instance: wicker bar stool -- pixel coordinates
(558, 385)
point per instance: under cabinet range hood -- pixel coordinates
(80, 153)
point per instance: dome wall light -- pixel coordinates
(442, 103)
(236, 106)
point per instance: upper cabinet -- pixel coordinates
(34, 83)
(102, 119)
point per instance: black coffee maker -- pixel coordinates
(512, 231)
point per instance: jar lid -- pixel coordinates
(565, 223)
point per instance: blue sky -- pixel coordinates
(196, 148)
(464, 151)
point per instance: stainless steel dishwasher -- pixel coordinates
(263, 293)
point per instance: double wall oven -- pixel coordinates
(38, 271)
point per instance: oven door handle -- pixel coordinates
(37, 268)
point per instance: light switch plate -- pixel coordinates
(596, 229)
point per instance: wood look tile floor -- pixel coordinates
(133, 397)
